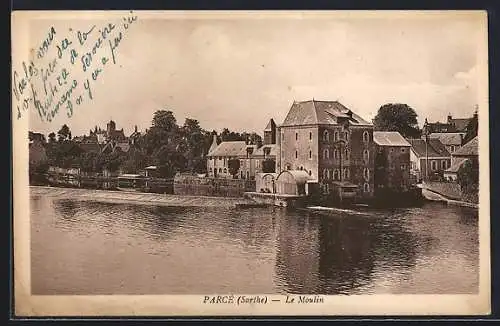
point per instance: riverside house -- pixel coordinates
(251, 157)
(468, 152)
(432, 154)
(331, 144)
(392, 162)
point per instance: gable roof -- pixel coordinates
(273, 151)
(230, 148)
(469, 149)
(434, 148)
(449, 138)
(389, 138)
(320, 112)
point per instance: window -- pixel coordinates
(225, 170)
(366, 187)
(326, 154)
(335, 154)
(241, 174)
(220, 170)
(346, 135)
(296, 154)
(452, 148)
(310, 155)
(403, 167)
(346, 173)
(366, 174)
(336, 174)
(443, 165)
(296, 136)
(402, 150)
(346, 153)
(310, 135)
(327, 188)
(220, 158)
(366, 155)
(366, 136)
(325, 174)
(433, 165)
(326, 136)
(310, 172)
(336, 136)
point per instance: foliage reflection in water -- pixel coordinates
(103, 248)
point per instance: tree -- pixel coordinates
(269, 166)
(468, 179)
(468, 176)
(64, 133)
(165, 120)
(397, 117)
(88, 161)
(52, 137)
(234, 166)
(194, 139)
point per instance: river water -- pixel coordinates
(86, 247)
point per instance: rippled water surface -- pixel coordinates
(84, 247)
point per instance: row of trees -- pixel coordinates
(171, 147)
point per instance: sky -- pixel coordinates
(239, 71)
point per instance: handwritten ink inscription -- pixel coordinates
(50, 84)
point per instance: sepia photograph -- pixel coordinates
(250, 163)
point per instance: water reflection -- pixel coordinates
(103, 248)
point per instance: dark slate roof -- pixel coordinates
(449, 138)
(434, 149)
(469, 149)
(389, 138)
(460, 124)
(270, 125)
(320, 112)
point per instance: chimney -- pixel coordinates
(135, 129)
(449, 118)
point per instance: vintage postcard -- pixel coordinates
(184, 163)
